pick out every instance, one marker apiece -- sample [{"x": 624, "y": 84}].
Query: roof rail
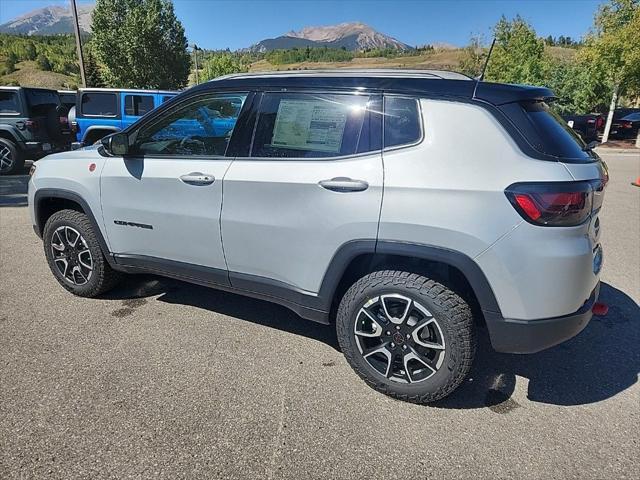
[{"x": 351, "y": 72}]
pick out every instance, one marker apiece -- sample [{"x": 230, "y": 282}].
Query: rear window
[
  {"x": 547, "y": 132},
  {"x": 138, "y": 105},
  {"x": 37, "y": 98},
  {"x": 9, "y": 103},
  {"x": 99, "y": 103},
  {"x": 311, "y": 125},
  {"x": 401, "y": 121}
]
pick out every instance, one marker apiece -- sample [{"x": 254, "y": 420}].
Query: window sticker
[{"x": 309, "y": 125}]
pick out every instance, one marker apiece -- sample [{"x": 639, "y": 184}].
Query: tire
[
  {"x": 432, "y": 347},
  {"x": 11, "y": 158},
  {"x": 79, "y": 280}
]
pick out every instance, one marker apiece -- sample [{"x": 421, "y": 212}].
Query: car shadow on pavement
[
  {"x": 602, "y": 361},
  {"x": 599, "y": 363},
  {"x": 225, "y": 303}
]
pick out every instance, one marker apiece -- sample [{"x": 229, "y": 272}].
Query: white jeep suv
[{"x": 391, "y": 203}]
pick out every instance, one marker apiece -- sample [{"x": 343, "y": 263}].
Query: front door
[
  {"x": 162, "y": 204},
  {"x": 312, "y": 182}
]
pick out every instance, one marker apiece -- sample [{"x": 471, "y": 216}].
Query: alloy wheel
[
  {"x": 71, "y": 255},
  {"x": 6, "y": 158},
  {"x": 399, "y": 338}
]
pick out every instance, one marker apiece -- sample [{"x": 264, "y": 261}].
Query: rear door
[
  {"x": 161, "y": 206},
  {"x": 311, "y": 182},
  {"x": 134, "y": 106}
]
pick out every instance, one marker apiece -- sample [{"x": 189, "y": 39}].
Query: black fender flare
[
  {"x": 465, "y": 264},
  {"x": 10, "y": 132},
  {"x": 42, "y": 194},
  {"x": 94, "y": 128}
]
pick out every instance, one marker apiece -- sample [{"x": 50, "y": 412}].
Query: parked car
[
  {"x": 587, "y": 126},
  {"x": 353, "y": 198},
  {"x": 627, "y": 126},
  {"x": 68, "y": 98},
  {"x": 30, "y": 126},
  {"x": 101, "y": 111}
]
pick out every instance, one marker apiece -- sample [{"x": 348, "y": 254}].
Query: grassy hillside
[
  {"x": 28, "y": 74},
  {"x": 438, "y": 59}
]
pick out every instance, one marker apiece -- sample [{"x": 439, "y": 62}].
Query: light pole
[
  {"x": 76, "y": 27},
  {"x": 195, "y": 55}
]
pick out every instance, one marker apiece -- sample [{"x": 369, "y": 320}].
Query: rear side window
[
  {"x": 547, "y": 132},
  {"x": 137, "y": 105},
  {"x": 9, "y": 103},
  {"x": 402, "y": 124},
  {"x": 301, "y": 125},
  {"x": 39, "y": 98},
  {"x": 98, "y": 103}
]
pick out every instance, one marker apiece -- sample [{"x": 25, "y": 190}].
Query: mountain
[
  {"x": 351, "y": 36},
  {"x": 52, "y": 20}
]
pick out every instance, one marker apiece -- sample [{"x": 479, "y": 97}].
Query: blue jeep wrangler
[{"x": 102, "y": 111}]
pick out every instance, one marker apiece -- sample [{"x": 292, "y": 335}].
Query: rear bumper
[
  {"x": 530, "y": 336},
  {"x": 36, "y": 150}
]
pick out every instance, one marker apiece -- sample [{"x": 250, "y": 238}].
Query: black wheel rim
[
  {"x": 399, "y": 338},
  {"x": 71, "y": 255}
]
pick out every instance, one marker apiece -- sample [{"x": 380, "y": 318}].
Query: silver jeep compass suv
[{"x": 391, "y": 203}]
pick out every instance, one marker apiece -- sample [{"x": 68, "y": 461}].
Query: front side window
[
  {"x": 202, "y": 126},
  {"x": 99, "y": 103},
  {"x": 9, "y": 102},
  {"x": 306, "y": 125},
  {"x": 401, "y": 121},
  {"x": 137, "y": 105}
]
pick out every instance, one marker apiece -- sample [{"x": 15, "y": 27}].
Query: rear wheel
[
  {"x": 11, "y": 158},
  {"x": 407, "y": 336},
  {"x": 74, "y": 255}
]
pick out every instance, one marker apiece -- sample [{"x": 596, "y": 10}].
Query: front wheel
[
  {"x": 11, "y": 158},
  {"x": 407, "y": 336},
  {"x": 74, "y": 255}
]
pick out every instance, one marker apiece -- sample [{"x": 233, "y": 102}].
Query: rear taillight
[
  {"x": 599, "y": 122},
  {"x": 626, "y": 124},
  {"x": 556, "y": 204},
  {"x": 32, "y": 125}
]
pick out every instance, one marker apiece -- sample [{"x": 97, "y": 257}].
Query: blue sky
[{"x": 240, "y": 23}]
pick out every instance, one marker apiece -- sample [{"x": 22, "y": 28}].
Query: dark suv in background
[{"x": 30, "y": 126}]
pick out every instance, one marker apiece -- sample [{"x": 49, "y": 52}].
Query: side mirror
[{"x": 116, "y": 143}]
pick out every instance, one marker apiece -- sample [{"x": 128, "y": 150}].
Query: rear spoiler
[{"x": 501, "y": 93}]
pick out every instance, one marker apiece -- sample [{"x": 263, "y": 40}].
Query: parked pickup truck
[
  {"x": 587, "y": 126},
  {"x": 102, "y": 111}
]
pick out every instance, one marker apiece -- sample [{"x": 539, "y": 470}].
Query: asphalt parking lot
[{"x": 166, "y": 379}]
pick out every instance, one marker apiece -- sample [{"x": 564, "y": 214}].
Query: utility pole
[
  {"x": 195, "y": 54},
  {"x": 78, "y": 41}
]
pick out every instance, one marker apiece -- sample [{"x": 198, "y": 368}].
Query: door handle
[
  {"x": 344, "y": 185},
  {"x": 197, "y": 178}
]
